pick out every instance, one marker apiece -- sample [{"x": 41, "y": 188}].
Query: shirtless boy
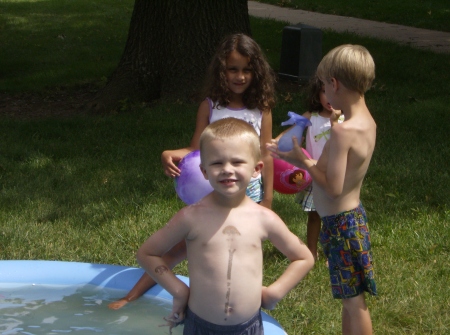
[
  {"x": 224, "y": 234},
  {"x": 347, "y": 72}
]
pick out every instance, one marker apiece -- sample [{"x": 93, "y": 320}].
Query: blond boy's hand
[
  {"x": 296, "y": 156},
  {"x": 335, "y": 115},
  {"x": 268, "y": 298}
]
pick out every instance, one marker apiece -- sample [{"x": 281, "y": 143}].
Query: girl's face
[
  {"x": 238, "y": 72},
  {"x": 323, "y": 99}
]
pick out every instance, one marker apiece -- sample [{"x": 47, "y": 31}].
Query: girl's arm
[
  {"x": 267, "y": 171},
  {"x": 170, "y": 158}
]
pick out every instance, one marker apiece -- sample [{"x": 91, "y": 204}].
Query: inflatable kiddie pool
[{"x": 27, "y": 272}]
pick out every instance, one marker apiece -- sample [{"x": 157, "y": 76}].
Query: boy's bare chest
[{"x": 225, "y": 231}]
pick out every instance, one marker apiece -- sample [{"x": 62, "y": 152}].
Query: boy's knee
[{"x": 358, "y": 302}]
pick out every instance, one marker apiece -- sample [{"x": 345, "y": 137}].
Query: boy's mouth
[{"x": 227, "y": 181}]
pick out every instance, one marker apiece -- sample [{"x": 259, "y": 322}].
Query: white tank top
[
  {"x": 251, "y": 116},
  {"x": 318, "y": 134}
]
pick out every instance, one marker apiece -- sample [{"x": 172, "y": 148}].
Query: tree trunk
[{"x": 170, "y": 44}]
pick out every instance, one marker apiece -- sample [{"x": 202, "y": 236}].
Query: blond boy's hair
[
  {"x": 350, "y": 64},
  {"x": 232, "y": 128}
]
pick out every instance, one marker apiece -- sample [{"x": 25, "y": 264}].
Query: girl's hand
[
  {"x": 169, "y": 166},
  {"x": 296, "y": 156}
]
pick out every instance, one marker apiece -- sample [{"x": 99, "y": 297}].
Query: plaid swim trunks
[
  {"x": 345, "y": 239},
  {"x": 255, "y": 190},
  {"x": 305, "y": 199}
]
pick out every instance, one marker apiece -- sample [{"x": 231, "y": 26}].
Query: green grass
[
  {"x": 91, "y": 189},
  {"x": 42, "y": 37},
  {"x": 430, "y": 14}
]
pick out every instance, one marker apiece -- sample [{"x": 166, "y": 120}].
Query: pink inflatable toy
[{"x": 289, "y": 179}]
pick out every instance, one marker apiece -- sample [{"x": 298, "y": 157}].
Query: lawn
[
  {"x": 91, "y": 188},
  {"x": 434, "y": 15}
]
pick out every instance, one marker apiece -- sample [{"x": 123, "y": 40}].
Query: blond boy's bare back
[{"x": 350, "y": 149}]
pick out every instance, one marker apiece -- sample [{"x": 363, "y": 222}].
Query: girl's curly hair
[
  {"x": 261, "y": 92},
  {"x": 313, "y": 97}
]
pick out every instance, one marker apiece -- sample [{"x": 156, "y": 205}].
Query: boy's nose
[{"x": 226, "y": 169}]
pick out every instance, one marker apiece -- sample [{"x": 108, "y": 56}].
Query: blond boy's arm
[
  {"x": 300, "y": 257},
  {"x": 149, "y": 256}
]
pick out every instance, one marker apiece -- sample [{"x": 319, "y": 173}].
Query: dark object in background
[{"x": 301, "y": 52}]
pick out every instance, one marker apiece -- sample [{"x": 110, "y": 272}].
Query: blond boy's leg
[{"x": 356, "y": 317}]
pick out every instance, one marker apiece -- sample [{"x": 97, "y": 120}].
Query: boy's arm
[
  {"x": 332, "y": 179},
  {"x": 149, "y": 256},
  {"x": 173, "y": 257},
  {"x": 296, "y": 251}
]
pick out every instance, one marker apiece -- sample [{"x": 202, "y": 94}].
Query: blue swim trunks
[
  {"x": 193, "y": 324},
  {"x": 345, "y": 239}
]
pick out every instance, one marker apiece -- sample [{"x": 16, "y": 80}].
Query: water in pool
[{"x": 55, "y": 310}]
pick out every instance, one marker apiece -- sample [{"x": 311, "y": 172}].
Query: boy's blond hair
[
  {"x": 350, "y": 64},
  {"x": 232, "y": 128}
]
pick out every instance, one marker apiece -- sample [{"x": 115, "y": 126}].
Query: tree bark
[{"x": 170, "y": 44}]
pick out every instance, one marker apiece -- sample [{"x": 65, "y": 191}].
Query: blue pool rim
[{"x": 102, "y": 275}]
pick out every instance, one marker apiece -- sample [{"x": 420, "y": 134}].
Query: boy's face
[{"x": 229, "y": 165}]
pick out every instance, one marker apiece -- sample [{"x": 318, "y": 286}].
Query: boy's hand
[
  {"x": 268, "y": 299},
  {"x": 178, "y": 310},
  {"x": 173, "y": 321},
  {"x": 296, "y": 156},
  {"x": 335, "y": 115}
]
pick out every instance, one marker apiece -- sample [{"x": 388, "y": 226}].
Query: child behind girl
[
  {"x": 316, "y": 136},
  {"x": 239, "y": 84}
]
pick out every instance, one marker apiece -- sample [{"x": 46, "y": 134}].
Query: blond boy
[
  {"x": 224, "y": 234},
  {"x": 347, "y": 72}
]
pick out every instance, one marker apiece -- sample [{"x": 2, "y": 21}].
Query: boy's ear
[
  {"x": 258, "y": 169},
  {"x": 203, "y": 171},
  {"x": 335, "y": 84}
]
